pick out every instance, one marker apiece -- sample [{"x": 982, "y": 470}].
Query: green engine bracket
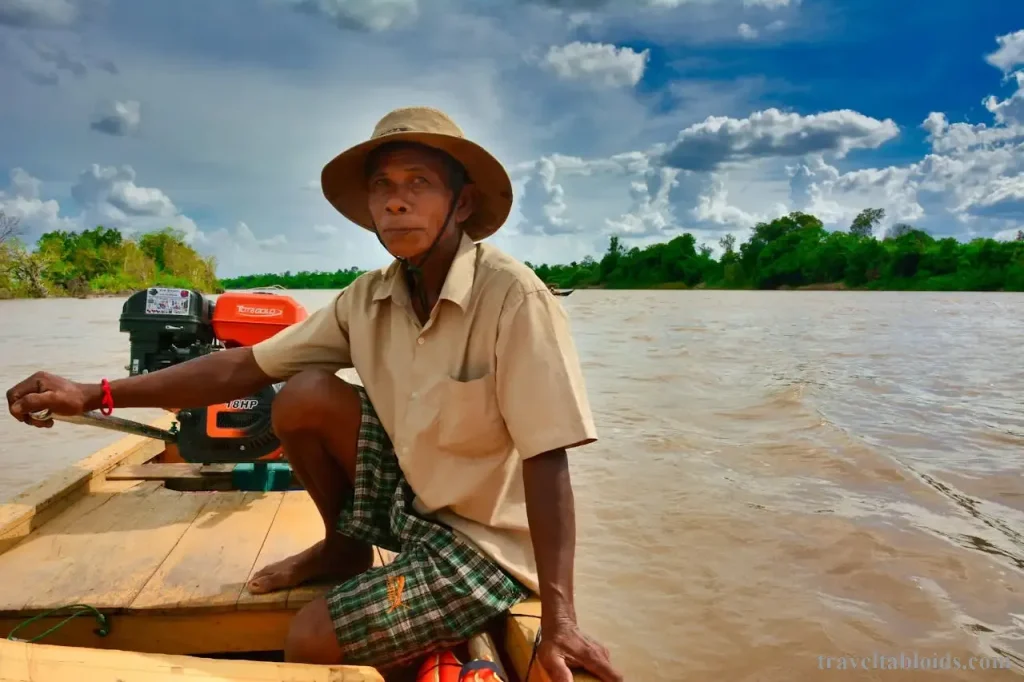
[{"x": 262, "y": 476}]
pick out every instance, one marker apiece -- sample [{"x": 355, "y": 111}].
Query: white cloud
[
  {"x": 721, "y": 140},
  {"x": 770, "y": 4},
  {"x": 747, "y": 32},
  {"x": 946, "y": 137},
  {"x": 651, "y": 212},
  {"x": 1010, "y": 52},
  {"x": 114, "y": 190},
  {"x": 118, "y": 118},
  {"x": 1009, "y": 111},
  {"x": 544, "y": 206},
  {"x": 714, "y": 207},
  {"x": 22, "y": 200},
  {"x": 600, "y": 64}
]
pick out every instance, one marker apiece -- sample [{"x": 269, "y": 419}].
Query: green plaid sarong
[{"x": 439, "y": 591}]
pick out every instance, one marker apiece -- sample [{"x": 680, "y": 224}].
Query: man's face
[{"x": 409, "y": 199}]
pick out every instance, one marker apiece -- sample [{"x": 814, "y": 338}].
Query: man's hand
[
  {"x": 43, "y": 391},
  {"x": 564, "y": 647}
]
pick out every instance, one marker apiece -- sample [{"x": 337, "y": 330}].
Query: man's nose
[{"x": 396, "y": 205}]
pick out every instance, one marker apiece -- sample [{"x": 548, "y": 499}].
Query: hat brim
[{"x": 343, "y": 181}]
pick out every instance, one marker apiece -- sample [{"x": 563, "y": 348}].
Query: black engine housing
[{"x": 166, "y": 327}]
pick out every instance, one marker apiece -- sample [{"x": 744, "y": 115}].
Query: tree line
[
  {"x": 98, "y": 261},
  {"x": 792, "y": 251}
]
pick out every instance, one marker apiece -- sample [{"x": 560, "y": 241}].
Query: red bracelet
[{"x": 107, "y": 404}]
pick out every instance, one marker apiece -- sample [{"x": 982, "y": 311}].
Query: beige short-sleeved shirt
[{"x": 493, "y": 378}]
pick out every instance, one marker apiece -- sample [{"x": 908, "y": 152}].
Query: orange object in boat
[{"x": 440, "y": 667}]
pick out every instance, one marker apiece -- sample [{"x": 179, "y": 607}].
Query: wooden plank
[
  {"x": 159, "y": 633},
  {"x": 96, "y": 492},
  {"x": 23, "y": 662},
  {"x": 166, "y": 471},
  {"x": 104, "y": 557},
  {"x": 523, "y": 623},
  {"x": 21, "y": 566},
  {"x": 210, "y": 564},
  {"x": 60, "y": 490},
  {"x": 154, "y": 472},
  {"x": 296, "y": 527}
]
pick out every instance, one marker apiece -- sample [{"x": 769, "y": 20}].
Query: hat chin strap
[{"x": 413, "y": 271}]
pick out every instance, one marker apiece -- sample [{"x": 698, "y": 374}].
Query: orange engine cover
[{"x": 246, "y": 318}]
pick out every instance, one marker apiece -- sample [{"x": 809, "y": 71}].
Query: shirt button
[
  {"x": 420, "y": 340},
  {"x": 413, "y": 395}
]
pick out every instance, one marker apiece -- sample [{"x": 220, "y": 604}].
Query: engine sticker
[{"x": 162, "y": 301}]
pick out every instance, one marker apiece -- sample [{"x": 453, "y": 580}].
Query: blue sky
[{"x": 641, "y": 118}]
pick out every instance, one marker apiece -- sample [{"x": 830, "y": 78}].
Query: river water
[{"x": 788, "y": 486}]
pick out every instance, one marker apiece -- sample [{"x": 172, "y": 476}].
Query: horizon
[{"x": 646, "y": 123}]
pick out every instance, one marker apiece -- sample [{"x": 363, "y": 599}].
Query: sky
[{"x": 638, "y": 118}]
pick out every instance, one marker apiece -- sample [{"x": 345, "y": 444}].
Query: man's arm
[
  {"x": 319, "y": 341},
  {"x": 551, "y": 513},
  {"x": 543, "y": 400},
  {"x": 214, "y": 378},
  {"x": 209, "y": 379}
]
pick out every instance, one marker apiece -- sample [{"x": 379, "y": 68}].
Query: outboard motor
[{"x": 168, "y": 326}]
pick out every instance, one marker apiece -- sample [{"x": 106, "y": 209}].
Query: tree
[
  {"x": 10, "y": 227},
  {"x": 900, "y": 229},
  {"x": 611, "y": 257},
  {"x": 728, "y": 243},
  {"x": 863, "y": 225}
]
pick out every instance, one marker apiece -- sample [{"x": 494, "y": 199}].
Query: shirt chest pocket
[{"x": 469, "y": 421}]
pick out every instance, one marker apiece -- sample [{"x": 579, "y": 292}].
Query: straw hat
[{"x": 344, "y": 178}]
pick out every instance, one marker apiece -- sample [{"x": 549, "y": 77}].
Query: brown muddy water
[{"x": 788, "y": 486}]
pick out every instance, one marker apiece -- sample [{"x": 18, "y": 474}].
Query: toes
[{"x": 269, "y": 582}]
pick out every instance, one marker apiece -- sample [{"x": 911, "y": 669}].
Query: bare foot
[{"x": 312, "y": 564}]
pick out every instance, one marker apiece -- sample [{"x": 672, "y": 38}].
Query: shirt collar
[{"x": 458, "y": 284}]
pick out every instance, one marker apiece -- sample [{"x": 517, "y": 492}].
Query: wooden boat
[
  {"x": 559, "y": 292},
  {"x": 162, "y": 549}
]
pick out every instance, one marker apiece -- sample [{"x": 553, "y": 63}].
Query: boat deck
[
  {"x": 138, "y": 549},
  {"x": 166, "y": 566}
]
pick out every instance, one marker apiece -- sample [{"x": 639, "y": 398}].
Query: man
[{"x": 452, "y": 453}]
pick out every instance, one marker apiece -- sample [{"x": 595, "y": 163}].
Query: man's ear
[{"x": 467, "y": 203}]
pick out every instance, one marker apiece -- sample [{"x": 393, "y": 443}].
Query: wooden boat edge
[
  {"x": 25, "y": 662},
  {"x": 38, "y": 504}
]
